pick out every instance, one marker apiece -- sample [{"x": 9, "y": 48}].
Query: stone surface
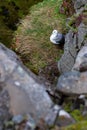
[
  {"x": 67, "y": 60},
  {"x": 4, "y": 107},
  {"x": 26, "y": 93},
  {"x": 81, "y": 60},
  {"x": 73, "y": 43},
  {"x": 51, "y": 117},
  {"x": 30, "y": 124},
  {"x": 64, "y": 119},
  {"x": 79, "y": 3},
  {"x": 82, "y": 33},
  {"x": 73, "y": 83},
  {"x": 18, "y": 119}
]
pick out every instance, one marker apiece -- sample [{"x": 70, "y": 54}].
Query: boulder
[
  {"x": 73, "y": 83},
  {"x": 67, "y": 83},
  {"x": 25, "y": 93}
]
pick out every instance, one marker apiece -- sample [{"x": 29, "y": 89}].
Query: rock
[
  {"x": 64, "y": 119},
  {"x": 30, "y": 124},
  {"x": 82, "y": 33},
  {"x": 73, "y": 83},
  {"x": 18, "y": 119},
  {"x": 83, "y": 67},
  {"x": 79, "y": 3},
  {"x": 73, "y": 43},
  {"x": 67, "y": 82},
  {"x": 84, "y": 112},
  {"x": 26, "y": 94},
  {"x": 81, "y": 60},
  {"x": 51, "y": 117},
  {"x": 67, "y": 60},
  {"x": 5, "y": 115}
]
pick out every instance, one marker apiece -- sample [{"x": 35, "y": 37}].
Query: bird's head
[{"x": 54, "y": 32}]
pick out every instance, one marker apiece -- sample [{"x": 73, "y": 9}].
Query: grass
[
  {"x": 77, "y": 126},
  {"x": 32, "y": 37}
]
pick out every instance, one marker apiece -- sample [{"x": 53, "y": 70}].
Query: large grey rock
[
  {"x": 67, "y": 83},
  {"x": 73, "y": 83},
  {"x": 26, "y": 93}
]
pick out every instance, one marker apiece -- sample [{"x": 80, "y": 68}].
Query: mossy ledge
[{"x": 32, "y": 36}]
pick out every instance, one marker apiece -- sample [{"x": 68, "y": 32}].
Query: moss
[
  {"x": 76, "y": 114},
  {"x": 9, "y": 124},
  {"x": 77, "y": 126},
  {"x": 85, "y": 37},
  {"x": 85, "y": 17}
]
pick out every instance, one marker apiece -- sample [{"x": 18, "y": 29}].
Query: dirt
[{"x": 50, "y": 73}]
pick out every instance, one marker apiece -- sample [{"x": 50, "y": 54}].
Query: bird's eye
[{"x": 54, "y": 32}]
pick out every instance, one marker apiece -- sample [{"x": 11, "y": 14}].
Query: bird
[{"x": 57, "y": 38}]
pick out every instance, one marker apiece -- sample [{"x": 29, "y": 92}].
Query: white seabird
[{"x": 57, "y": 37}]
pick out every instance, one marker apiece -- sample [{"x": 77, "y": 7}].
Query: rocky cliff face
[
  {"x": 76, "y": 37},
  {"x": 24, "y": 93},
  {"x": 24, "y": 101},
  {"x": 73, "y": 63},
  {"x": 23, "y": 98}
]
